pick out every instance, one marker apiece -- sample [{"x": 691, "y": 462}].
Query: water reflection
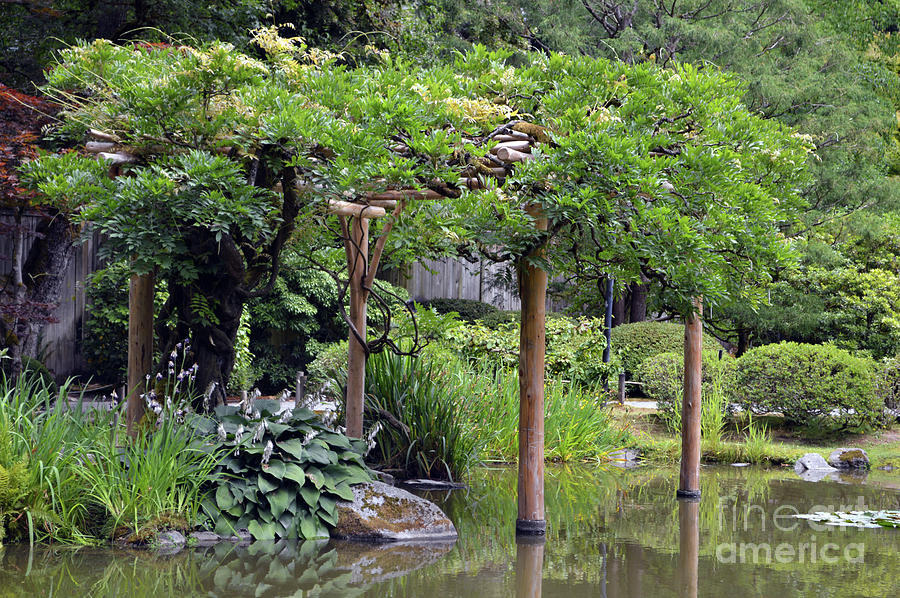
[
  {"x": 529, "y": 566},
  {"x": 689, "y": 546},
  {"x": 610, "y": 535}
]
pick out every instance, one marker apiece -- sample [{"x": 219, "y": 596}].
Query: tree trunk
[
  {"x": 45, "y": 271},
  {"x": 618, "y": 316},
  {"x": 743, "y": 341},
  {"x": 638, "y": 301}
]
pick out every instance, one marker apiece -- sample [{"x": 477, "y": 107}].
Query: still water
[{"x": 611, "y": 534}]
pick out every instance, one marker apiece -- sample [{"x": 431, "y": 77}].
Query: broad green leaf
[
  {"x": 261, "y": 531},
  {"x": 279, "y": 501}
]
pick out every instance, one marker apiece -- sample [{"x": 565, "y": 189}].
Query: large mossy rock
[
  {"x": 384, "y": 513},
  {"x": 849, "y": 458}
]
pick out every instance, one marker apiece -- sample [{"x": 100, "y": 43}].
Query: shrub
[
  {"x": 810, "y": 385},
  {"x": 105, "y": 341},
  {"x": 574, "y": 348},
  {"x": 468, "y": 310},
  {"x": 887, "y": 383},
  {"x": 283, "y": 474},
  {"x": 637, "y": 341},
  {"x": 663, "y": 379},
  {"x": 498, "y": 318},
  {"x": 33, "y": 370}
]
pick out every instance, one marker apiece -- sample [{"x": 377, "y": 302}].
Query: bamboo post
[
  {"x": 140, "y": 346},
  {"x": 356, "y": 358},
  {"x": 529, "y": 566},
  {"x": 689, "y": 483},
  {"x": 688, "y": 546},
  {"x": 532, "y": 346}
]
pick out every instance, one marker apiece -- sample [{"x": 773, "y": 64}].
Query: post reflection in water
[
  {"x": 529, "y": 566},
  {"x": 688, "y": 546}
]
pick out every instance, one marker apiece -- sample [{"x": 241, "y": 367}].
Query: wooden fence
[
  {"x": 59, "y": 345},
  {"x": 457, "y": 279}
]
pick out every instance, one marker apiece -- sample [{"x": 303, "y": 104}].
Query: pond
[{"x": 611, "y": 533}]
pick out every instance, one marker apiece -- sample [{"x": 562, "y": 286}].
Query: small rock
[
  {"x": 171, "y": 538},
  {"x": 241, "y": 536},
  {"x": 205, "y": 538},
  {"x": 812, "y": 462},
  {"x": 625, "y": 457},
  {"x": 740, "y": 464},
  {"x": 817, "y": 475},
  {"x": 849, "y": 458},
  {"x": 385, "y": 477},
  {"x": 384, "y": 513},
  {"x": 421, "y": 484},
  {"x": 887, "y": 467}
]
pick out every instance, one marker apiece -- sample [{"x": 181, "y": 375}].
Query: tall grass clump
[
  {"x": 576, "y": 426},
  {"x": 418, "y": 423},
  {"x": 41, "y": 496},
  {"x": 69, "y": 473},
  {"x": 154, "y": 482}
]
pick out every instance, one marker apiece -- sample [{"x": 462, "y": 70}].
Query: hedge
[
  {"x": 637, "y": 341},
  {"x": 810, "y": 385}
]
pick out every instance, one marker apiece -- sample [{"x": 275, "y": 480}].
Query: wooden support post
[
  {"x": 621, "y": 395},
  {"x": 140, "y": 346},
  {"x": 689, "y": 483},
  {"x": 688, "y": 546},
  {"x": 532, "y": 346},
  {"x": 356, "y": 361},
  {"x": 529, "y": 566}
]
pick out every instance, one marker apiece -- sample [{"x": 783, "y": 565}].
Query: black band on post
[
  {"x": 531, "y": 527},
  {"x": 687, "y": 494}
]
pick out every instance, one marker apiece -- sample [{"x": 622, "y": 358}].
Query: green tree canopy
[{"x": 639, "y": 169}]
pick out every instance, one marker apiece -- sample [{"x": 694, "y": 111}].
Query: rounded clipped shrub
[
  {"x": 887, "y": 383},
  {"x": 637, "y": 341},
  {"x": 663, "y": 379},
  {"x": 810, "y": 385},
  {"x": 468, "y": 310}
]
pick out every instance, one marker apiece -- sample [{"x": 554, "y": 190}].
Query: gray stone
[
  {"x": 171, "y": 537},
  {"x": 384, "y": 513},
  {"x": 205, "y": 538},
  {"x": 241, "y": 536},
  {"x": 626, "y": 458},
  {"x": 812, "y": 462},
  {"x": 849, "y": 458},
  {"x": 740, "y": 465}
]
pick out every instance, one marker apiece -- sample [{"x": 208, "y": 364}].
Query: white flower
[{"x": 267, "y": 452}]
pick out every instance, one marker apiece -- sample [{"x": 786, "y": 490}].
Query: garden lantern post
[{"x": 689, "y": 482}]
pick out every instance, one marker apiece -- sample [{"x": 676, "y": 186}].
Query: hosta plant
[{"x": 284, "y": 472}]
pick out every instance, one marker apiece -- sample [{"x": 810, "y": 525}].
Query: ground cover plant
[{"x": 283, "y": 471}]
